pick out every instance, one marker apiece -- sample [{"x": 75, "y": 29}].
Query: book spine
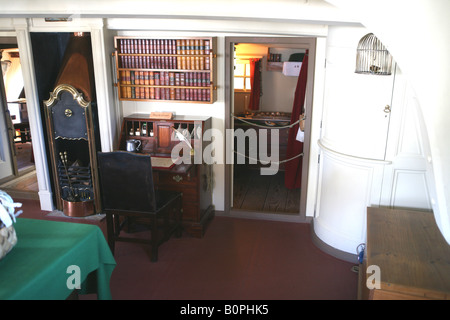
[
  {"x": 196, "y": 47},
  {"x": 166, "y": 78},
  {"x": 134, "y": 90},
  {"x": 123, "y": 80},
  {"x": 147, "y": 82},
  {"x": 202, "y": 46},
  {"x": 128, "y": 81},
  {"x": 207, "y": 47},
  {"x": 182, "y": 79},
  {"x": 142, "y": 82},
  {"x": 152, "y": 82}
]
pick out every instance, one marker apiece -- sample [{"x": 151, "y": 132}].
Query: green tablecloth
[{"x": 38, "y": 266}]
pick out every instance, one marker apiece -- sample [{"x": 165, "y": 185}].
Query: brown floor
[
  {"x": 237, "y": 259},
  {"x": 24, "y": 155},
  {"x": 25, "y": 185},
  {"x": 263, "y": 193}
]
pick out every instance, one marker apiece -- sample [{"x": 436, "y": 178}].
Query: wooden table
[
  {"x": 411, "y": 253},
  {"x": 41, "y": 263}
]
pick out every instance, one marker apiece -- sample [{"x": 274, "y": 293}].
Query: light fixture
[{"x": 372, "y": 57}]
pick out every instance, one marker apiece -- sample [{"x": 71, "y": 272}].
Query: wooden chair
[{"x": 127, "y": 192}]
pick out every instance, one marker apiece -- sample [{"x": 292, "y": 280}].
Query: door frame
[
  {"x": 308, "y": 43},
  {"x": 6, "y": 124}
]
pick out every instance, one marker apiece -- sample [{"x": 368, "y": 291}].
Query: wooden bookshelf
[{"x": 166, "y": 70}]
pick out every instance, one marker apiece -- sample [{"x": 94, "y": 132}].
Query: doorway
[
  {"x": 21, "y": 180},
  {"x": 248, "y": 193}
]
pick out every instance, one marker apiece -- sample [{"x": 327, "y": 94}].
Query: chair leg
[
  {"x": 110, "y": 231},
  {"x": 177, "y": 217},
  {"x": 154, "y": 239}
]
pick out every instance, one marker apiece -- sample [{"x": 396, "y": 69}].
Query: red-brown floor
[{"x": 237, "y": 259}]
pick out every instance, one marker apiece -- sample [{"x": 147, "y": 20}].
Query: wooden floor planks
[{"x": 264, "y": 193}]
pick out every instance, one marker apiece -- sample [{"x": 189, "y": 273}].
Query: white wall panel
[
  {"x": 354, "y": 120},
  {"x": 347, "y": 187},
  {"x": 406, "y": 182},
  {"x": 410, "y": 190}
]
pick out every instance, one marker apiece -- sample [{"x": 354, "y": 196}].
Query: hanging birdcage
[{"x": 372, "y": 57}]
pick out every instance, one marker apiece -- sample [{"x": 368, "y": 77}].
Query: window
[{"x": 242, "y": 75}]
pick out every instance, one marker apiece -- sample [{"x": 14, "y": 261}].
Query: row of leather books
[
  {"x": 165, "y": 62},
  {"x": 166, "y": 78},
  {"x": 190, "y": 54},
  {"x": 166, "y": 94},
  {"x": 164, "y": 46},
  {"x": 140, "y": 81}
]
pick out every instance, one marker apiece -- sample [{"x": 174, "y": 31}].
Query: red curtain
[
  {"x": 293, "y": 173},
  {"x": 255, "y": 80}
]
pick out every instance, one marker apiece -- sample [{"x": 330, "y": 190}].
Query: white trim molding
[{"x": 34, "y": 115}]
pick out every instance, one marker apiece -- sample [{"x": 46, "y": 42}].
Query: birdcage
[{"x": 372, "y": 57}]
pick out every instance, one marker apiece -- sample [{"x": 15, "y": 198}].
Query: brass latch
[{"x": 177, "y": 178}]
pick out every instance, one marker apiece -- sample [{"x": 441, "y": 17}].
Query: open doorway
[
  {"x": 22, "y": 177},
  {"x": 262, "y": 109}
]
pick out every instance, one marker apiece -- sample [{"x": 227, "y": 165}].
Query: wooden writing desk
[
  {"x": 193, "y": 180},
  {"x": 412, "y": 254}
]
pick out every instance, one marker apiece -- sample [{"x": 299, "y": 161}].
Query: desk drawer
[
  {"x": 173, "y": 178},
  {"x": 189, "y": 193}
]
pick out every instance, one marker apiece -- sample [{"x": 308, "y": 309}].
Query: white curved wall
[
  {"x": 368, "y": 157},
  {"x": 353, "y": 143},
  {"x": 415, "y": 32}
]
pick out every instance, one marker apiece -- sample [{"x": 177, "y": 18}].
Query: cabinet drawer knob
[{"x": 177, "y": 178}]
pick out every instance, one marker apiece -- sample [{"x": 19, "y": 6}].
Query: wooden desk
[
  {"x": 37, "y": 267},
  {"x": 193, "y": 180},
  {"x": 412, "y": 254}
]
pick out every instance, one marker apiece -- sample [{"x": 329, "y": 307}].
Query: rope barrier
[
  {"x": 279, "y": 162},
  {"x": 270, "y": 127},
  {"x": 262, "y": 126}
]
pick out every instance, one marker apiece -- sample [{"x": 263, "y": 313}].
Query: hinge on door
[{"x": 318, "y": 158}]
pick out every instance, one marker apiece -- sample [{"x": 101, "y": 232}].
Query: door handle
[{"x": 387, "y": 109}]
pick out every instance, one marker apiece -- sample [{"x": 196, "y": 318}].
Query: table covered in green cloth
[{"x": 51, "y": 257}]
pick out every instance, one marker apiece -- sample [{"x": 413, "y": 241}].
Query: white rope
[
  {"x": 279, "y": 162},
  {"x": 262, "y": 126}
]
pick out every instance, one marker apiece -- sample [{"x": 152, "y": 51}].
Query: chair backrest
[{"x": 126, "y": 181}]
